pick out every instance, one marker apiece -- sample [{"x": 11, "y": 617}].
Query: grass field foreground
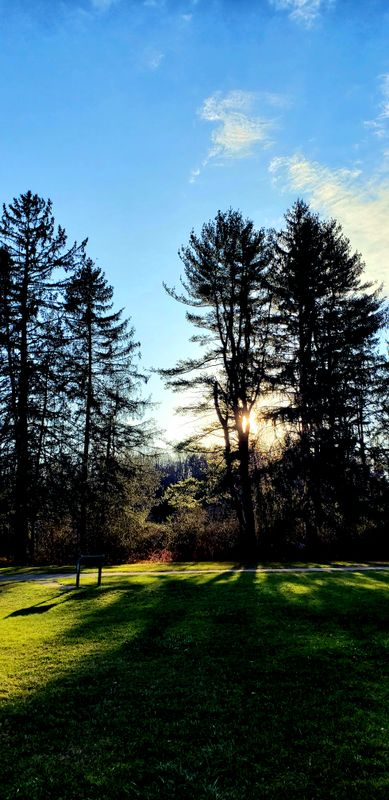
[{"x": 227, "y": 686}]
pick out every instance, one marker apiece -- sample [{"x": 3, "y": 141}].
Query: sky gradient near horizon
[{"x": 141, "y": 118}]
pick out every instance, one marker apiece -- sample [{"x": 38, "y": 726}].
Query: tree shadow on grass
[
  {"x": 43, "y": 606},
  {"x": 207, "y": 687},
  {"x": 38, "y": 608}
]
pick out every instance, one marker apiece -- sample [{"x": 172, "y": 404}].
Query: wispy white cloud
[
  {"x": 379, "y": 125},
  {"x": 360, "y": 204},
  {"x": 303, "y": 11},
  {"x": 236, "y": 132}
]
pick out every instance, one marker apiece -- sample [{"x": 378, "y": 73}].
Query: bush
[
  {"x": 55, "y": 542},
  {"x": 199, "y": 535}
]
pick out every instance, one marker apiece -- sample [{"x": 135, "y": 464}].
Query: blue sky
[{"x": 141, "y": 119}]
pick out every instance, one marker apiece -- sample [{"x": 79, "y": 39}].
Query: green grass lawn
[
  {"x": 192, "y": 687},
  {"x": 181, "y": 566}
]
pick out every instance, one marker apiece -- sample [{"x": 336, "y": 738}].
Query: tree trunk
[
  {"x": 21, "y": 435},
  {"x": 82, "y": 531},
  {"x": 248, "y": 532}
]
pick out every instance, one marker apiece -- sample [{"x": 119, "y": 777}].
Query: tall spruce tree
[
  {"x": 225, "y": 270},
  {"x": 327, "y": 324},
  {"x": 103, "y": 381},
  {"x": 33, "y": 255}
]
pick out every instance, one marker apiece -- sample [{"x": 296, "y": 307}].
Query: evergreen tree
[
  {"x": 33, "y": 254},
  {"x": 327, "y": 325},
  {"x": 225, "y": 269},
  {"x": 103, "y": 380}
]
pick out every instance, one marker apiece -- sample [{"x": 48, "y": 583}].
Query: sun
[{"x": 249, "y": 423}]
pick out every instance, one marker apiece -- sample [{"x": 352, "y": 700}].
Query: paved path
[{"x": 56, "y": 576}]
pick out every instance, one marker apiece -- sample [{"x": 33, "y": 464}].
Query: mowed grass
[{"x": 228, "y": 686}]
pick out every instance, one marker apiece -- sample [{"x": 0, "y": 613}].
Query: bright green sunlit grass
[
  {"x": 225, "y": 686},
  {"x": 181, "y": 566}
]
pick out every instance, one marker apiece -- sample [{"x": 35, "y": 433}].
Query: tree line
[
  {"x": 288, "y": 330},
  {"x": 287, "y": 333},
  {"x": 69, "y": 383}
]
